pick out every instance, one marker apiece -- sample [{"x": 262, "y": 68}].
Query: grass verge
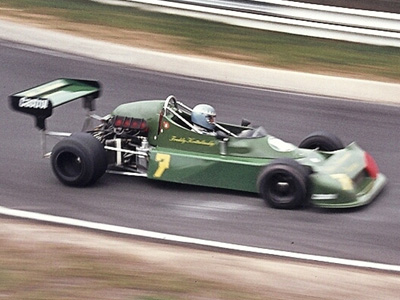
[
  {"x": 46, "y": 262},
  {"x": 198, "y": 37}
]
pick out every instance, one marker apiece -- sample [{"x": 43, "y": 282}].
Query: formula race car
[{"x": 158, "y": 140}]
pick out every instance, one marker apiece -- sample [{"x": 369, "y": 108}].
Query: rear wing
[{"x": 39, "y": 101}]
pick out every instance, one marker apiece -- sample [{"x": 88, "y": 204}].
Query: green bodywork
[{"x": 178, "y": 154}]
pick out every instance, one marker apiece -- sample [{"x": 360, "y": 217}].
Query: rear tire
[
  {"x": 323, "y": 141},
  {"x": 79, "y": 160},
  {"x": 283, "y": 184}
]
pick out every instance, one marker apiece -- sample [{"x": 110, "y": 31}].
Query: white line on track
[{"x": 193, "y": 241}]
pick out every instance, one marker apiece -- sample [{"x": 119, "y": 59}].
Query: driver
[{"x": 203, "y": 118}]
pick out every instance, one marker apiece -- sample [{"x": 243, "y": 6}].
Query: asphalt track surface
[{"x": 27, "y": 183}]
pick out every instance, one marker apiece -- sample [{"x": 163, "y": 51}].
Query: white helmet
[{"x": 204, "y": 116}]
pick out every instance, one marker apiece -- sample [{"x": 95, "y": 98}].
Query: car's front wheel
[
  {"x": 283, "y": 184},
  {"x": 322, "y": 140},
  {"x": 79, "y": 160}
]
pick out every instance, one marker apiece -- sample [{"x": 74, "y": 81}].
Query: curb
[{"x": 299, "y": 82}]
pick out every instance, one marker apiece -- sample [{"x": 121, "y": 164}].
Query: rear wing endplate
[{"x": 39, "y": 101}]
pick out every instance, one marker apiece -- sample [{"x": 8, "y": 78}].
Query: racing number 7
[{"x": 163, "y": 164}]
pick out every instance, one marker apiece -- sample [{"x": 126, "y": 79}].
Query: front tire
[
  {"x": 322, "y": 141},
  {"x": 283, "y": 184},
  {"x": 79, "y": 160}
]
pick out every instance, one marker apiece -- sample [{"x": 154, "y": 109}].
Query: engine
[{"x": 125, "y": 140}]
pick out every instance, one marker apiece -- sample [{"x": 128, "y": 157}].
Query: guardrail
[{"x": 377, "y": 28}]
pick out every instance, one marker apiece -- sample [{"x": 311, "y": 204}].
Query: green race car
[{"x": 157, "y": 139}]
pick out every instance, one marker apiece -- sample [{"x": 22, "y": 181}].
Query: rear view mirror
[{"x": 245, "y": 123}]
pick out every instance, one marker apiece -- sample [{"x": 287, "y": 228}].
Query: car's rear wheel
[
  {"x": 323, "y": 141},
  {"x": 79, "y": 160},
  {"x": 283, "y": 184}
]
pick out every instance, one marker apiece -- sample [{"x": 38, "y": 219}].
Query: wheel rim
[
  {"x": 69, "y": 164},
  {"x": 282, "y": 188}
]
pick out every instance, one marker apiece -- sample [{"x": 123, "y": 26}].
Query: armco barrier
[{"x": 377, "y": 28}]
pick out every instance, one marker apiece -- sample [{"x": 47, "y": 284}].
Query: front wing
[{"x": 348, "y": 178}]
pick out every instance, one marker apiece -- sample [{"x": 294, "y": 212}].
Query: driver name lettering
[
  {"x": 37, "y": 103},
  {"x": 190, "y": 140}
]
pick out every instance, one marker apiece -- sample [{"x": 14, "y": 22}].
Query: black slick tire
[
  {"x": 322, "y": 141},
  {"x": 79, "y": 160},
  {"x": 283, "y": 184}
]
